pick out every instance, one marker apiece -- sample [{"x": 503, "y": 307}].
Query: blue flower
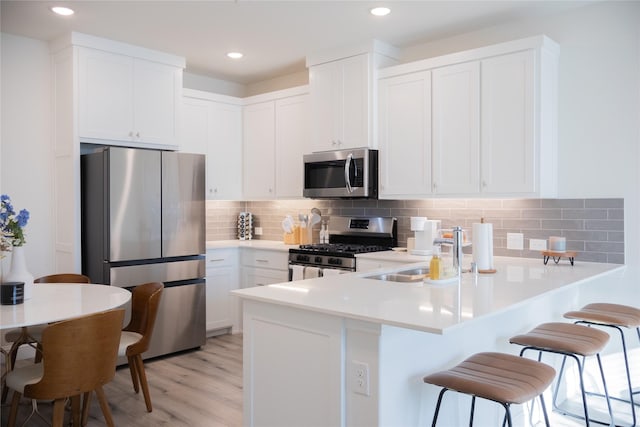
[{"x": 11, "y": 225}]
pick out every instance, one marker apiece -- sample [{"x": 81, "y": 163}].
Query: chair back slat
[
  {"x": 145, "y": 300},
  {"x": 63, "y": 278},
  {"x": 78, "y": 355}
]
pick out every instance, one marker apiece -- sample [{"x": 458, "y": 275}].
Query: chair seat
[
  {"x": 21, "y": 377},
  {"x": 496, "y": 376},
  {"x": 564, "y": 337},
  {"x": 126, "y": 339},
  {"x": 607, "y": 314}
]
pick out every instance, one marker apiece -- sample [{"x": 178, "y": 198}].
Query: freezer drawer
[
  {"x": 133, "y": 275},
  {"x": 181, "y": 321}
]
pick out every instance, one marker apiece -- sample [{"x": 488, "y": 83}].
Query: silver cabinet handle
[
  {"x": 262, "y": 260},
  {"x": 216, "y": 260}
]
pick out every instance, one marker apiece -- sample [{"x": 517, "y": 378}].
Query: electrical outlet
[
  {"x": 537, "y": 244},
  {"x": 258, "y": 231},
  {"x": 360, "y": 376},
  {"x": 515, "y": 241}
]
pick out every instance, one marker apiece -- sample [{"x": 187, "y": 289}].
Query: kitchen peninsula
[{"x": 350, "y": 350}]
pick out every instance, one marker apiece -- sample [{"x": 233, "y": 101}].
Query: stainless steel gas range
[{"x": 348, "y": 236}]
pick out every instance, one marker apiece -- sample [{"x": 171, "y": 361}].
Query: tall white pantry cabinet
[
  {"x": 105, "y": 92},
  {"x": 473, "y": 123}
]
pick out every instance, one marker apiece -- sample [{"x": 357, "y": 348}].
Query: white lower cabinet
[
  {"x": 260, "y": 267},
  {"x": 222, "y": 278}
]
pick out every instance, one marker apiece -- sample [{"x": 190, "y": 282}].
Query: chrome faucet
[{"x": 457, "y": 250}]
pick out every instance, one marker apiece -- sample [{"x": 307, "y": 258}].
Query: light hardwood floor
[{"x": 195, "y": 388}]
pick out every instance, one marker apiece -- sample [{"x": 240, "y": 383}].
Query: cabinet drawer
[
  {"x": 222, "y": 257},
  {"x": 265, "y": 259}
]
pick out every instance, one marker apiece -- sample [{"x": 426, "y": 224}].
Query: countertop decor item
[
  {"x": 557, "y": 255},
  {"x": 18, "y": 271},
  {"x": 12, "y": 238}
]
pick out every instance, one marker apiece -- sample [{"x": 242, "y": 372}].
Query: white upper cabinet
[
  {"x": 456, "y": 129},
  {"x": 259, "y": 140},
  {"x": 214, "y": 127},
  {"x": 292, "y": 136},
  {"x": 508, "y": 157},
  {"x": 405, "y": 135},
  {"x": 275, "y": 137},
  {"x": 340, "y": 98},
  {"x": 493, "y": 123},
  {"x": 127, "y": 99},
  {"x": 343, "y": 95}
]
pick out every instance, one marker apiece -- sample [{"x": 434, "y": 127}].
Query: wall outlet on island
[
  {"x": 360, "y": 377},
  {"x": 515, "y": 241},
  {"x": 258, "y": 231}
]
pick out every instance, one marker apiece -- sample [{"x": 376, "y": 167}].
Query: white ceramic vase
[{"x": 18, "y": 271}]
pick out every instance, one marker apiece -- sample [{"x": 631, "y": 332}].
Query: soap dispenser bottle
[{"x": 436, "y": 264}]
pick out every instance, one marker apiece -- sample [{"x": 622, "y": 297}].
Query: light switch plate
[
  {"x": 537, "y": 244},
  {"x": 515, "y": 241}
]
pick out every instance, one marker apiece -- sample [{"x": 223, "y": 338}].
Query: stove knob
[
  {"x": 335, "y": 261},
  {"x": 318, "y": 260}
]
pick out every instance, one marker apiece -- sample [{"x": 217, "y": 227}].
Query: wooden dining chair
[
  {"x": 33, "y": 334},
  {"x": 136, "y": 336},
  {"x": 79, "y": 356}
]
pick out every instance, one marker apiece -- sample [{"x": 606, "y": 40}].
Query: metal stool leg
[
  {"x": 435, "y": 415},
  {"x": 473, "y": 408}
]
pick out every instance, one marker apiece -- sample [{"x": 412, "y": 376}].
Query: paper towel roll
[{"x": 482, "y": 242}]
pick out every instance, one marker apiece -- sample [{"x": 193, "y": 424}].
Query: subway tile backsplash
[{"x": 593, "y": 227}]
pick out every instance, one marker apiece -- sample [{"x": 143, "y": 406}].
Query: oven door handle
[{"x": 347, "y": 167}]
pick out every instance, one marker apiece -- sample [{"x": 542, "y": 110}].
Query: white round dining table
[{"x": 52, "y": 302}]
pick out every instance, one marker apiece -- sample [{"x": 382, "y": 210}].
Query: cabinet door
[
  {"x": 222, "y": 277},
  {"x": 456, "y": 129},
  {"x": 292, "y": 135},
  {"x": 220, "y": 307},
  {"x": 507, "y": 139},
  {"x": 157, "y": 94},
  {"x": 354, "y": 123},
  {"x": 105, "y": 101},
  {"x": 195, "y": 118},
  {"x": 405, "y": 135},
  {"x": 325, "y": 83},
  {"x": 259, "y": 151},
  {"x": 225, "y": 152}
]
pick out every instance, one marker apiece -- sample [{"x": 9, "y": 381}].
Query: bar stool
[
  {"x": 569, "y": 340},
  {"x": 502, "y": 378},
  {"x": 614, "y": 316}
]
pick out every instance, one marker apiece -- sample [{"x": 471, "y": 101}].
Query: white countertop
[
  {"x": 396, "y": 256},
  {"x": 272, "y": 245},
  {"x": 426, "y": 307}
]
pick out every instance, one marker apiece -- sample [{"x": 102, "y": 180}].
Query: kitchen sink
[{"x": 406, "y": 276}]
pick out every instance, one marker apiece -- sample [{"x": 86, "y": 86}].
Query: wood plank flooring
[{"x": 195, "y": 388}]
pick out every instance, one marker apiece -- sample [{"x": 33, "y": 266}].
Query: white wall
[
  {"x": 208, "y": 84},
  {"x": 26, "y": 143}
]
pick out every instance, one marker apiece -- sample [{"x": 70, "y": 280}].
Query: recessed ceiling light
[
  {"x": 64, "y": 11},
  {"x": 380, "y": 11},
  {"x": 235, "y": 55}
]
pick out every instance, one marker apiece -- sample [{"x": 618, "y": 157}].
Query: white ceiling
[{"x": 275, "y": 36}]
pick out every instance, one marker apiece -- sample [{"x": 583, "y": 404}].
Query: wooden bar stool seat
[
  {"x": 614, "y": 316},
  {"x": 499, "y": 377},
  {"x": 569, "y": 340}
]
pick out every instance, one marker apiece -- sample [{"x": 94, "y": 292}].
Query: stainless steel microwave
[{"x": 341, "y": 174}]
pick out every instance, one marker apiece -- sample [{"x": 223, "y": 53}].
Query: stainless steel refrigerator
[{"x": 143, "y": 220}]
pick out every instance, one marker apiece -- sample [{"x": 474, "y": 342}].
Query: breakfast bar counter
[{"x": 352, "y": 350}]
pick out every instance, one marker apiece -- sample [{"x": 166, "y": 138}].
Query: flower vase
[{"x": 18, "y": 271}]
